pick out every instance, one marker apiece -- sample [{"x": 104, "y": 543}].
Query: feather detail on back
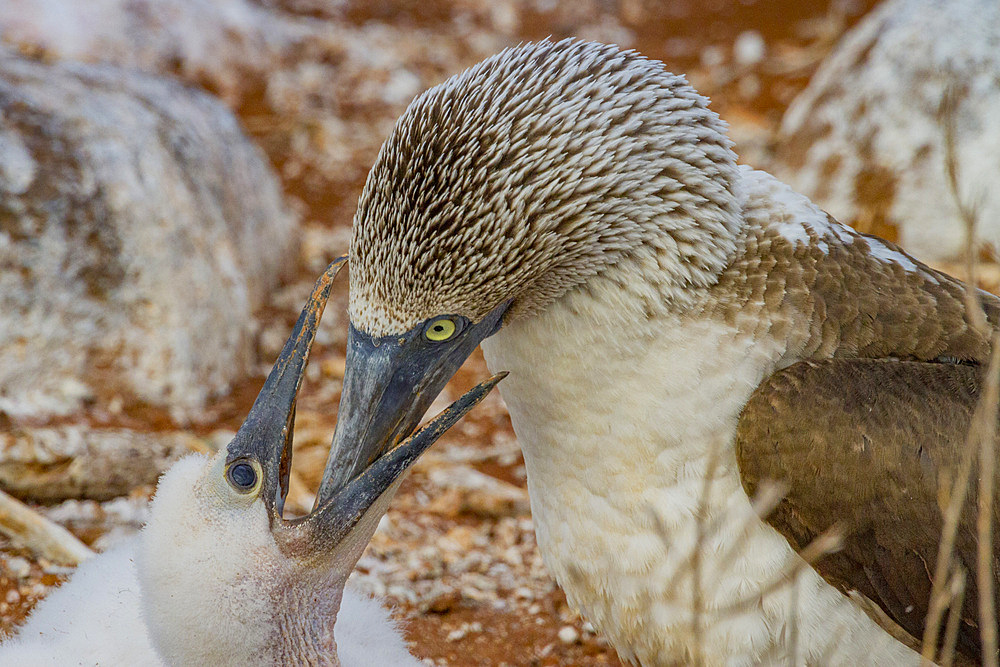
[{"x": 873, "y": 445}]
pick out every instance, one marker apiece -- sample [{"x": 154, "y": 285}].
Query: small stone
[
  {"x": 712, "y": 57},
  {"x": 748, "y": 87},
  {"x": 19, "y": 567},
  {"x": 13, "y": 597},
  {"x": 458, "y": 539},
  {"x": 444, "y": 602},
  {"x": 401, "y": 87},
  {"x": 749, "y": 48},
  {"x": 568, "y": 634},
  {"x": 524, "y": 593},
  {"x": 464, "y": 630},
  {"x": 272, "y": 339},
  {"x": 220, "y": 439}
]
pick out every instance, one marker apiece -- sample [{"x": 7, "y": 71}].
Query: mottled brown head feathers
[{"x": 531, "y": 172}]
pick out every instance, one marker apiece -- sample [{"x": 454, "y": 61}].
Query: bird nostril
[{"x": 242, "y": 476}]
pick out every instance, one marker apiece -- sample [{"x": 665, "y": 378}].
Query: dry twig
[
  {"x": 42, "y": 536},
  {"x": 957, "y": 595},
  {"x": 701, "y": 516},
  {"x": 830, "y": 541}
]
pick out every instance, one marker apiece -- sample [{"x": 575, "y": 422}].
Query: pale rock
[
  {"x": 47, "y": 464},
  {"x": 212, "y": 41},
  {"x": 865, "y": 140},
  {"x": 139, "y": 230},
  {"x": 749, "y": 48},
  {"x": 568, "y": 634}
]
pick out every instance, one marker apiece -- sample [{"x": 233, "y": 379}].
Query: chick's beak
[{"x": 266, "y": 434}]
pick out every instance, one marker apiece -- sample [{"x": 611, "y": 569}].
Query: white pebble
[
  {"x": 568, "y": 634},
  {"x": 749, "y": 48},
  {"x": 19, "y": 567},
  {"x": 712, "y": 57}
]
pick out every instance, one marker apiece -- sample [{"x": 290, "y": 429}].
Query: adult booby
[
  {"x": 217, "y": 576},
  {"x": 579, "y": 211}
]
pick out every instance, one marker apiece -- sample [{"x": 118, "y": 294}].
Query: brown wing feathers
[{"x": 871, "y": 444}]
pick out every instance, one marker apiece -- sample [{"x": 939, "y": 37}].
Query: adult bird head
[
  {"x": 225, "y": 578},
  {"x": 505, "y": 188}
]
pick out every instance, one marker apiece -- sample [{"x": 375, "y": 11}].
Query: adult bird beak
[
  {"x": 346, "y": 521},
  {"x": 388, "y": 385}
]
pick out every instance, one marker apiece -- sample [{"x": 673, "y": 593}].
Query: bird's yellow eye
[{"x": 441, "y": 329}]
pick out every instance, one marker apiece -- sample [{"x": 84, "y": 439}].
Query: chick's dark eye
[{"x": 242, "y": 476}]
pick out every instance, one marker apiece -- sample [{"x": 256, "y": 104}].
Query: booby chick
[
  {"x": 217, "y": 576},
  {"x": 579, "y": 210}
]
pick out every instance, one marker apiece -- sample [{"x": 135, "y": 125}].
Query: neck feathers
[{"x": 627, "y": 433}]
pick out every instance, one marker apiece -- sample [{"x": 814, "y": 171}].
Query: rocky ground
[{"x": 456, "y": 553}]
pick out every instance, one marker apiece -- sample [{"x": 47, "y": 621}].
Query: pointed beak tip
[
  {"x": 336, "y": 516},
  {"x": 266, "y": 433}
]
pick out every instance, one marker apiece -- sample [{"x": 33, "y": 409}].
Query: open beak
[
  {"x": 388, "y": 385},
  {"x": 266, "y": 437},
  {"x": 266, "y": 434},
  {"x": 351, "y": 514}
]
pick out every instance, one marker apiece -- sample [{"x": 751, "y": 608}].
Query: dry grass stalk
[
  {"x": 768, "y": 495},
  {"x": 830, "y": 541},
  {"x": 987, "y": 416},
  {"x": 984, "y": 519},
  {"x": 701, "y": 517},
  {"x": 982, "y": 435},
  {"x": 793, "y": 626},
  {"x": 947, "y": 117},
  {"x": 981, "y": 439},
  {"x": 957, "y": 595}
]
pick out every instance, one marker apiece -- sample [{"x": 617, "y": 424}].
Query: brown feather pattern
[
  {"x": 841, "y": 301},
  {"x": 874, "y": 445},
  {"x": 868, "y": 427}
]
